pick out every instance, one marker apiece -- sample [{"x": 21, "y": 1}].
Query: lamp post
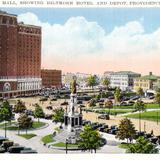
[
  {"x": 157, "y": 117},
  {"x": 66, "y": 146},
  {"x": 144, "y": 126}
]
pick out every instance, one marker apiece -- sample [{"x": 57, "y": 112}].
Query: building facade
[
  {"x": 20, "y": 57},
  {"x": 51, "y": 78},
  {"x": 123, "y": 79},
  {"x": 147, "y": 82}
]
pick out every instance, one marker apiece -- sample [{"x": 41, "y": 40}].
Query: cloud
[{"x": 79, "y": 41}]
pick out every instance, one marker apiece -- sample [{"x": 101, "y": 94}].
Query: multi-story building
[
  {"x": 20, "y": 57},
  {"x": 51, "y": 78},
  {"x": 107, "y": 74},
  {"x": 81, "y": 79},
  {"x": 146, "y": 82},
  {"x": 123, "y": 79}
]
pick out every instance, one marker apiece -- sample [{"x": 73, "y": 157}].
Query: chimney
[{"x": 150, "y": 73}]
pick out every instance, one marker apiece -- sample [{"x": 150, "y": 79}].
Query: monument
[{"x": 73, "y": 114}]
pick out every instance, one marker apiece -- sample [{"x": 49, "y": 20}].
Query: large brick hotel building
[
  {"x": 20, "y": 57},
  {"x": 51, "y": 78}
]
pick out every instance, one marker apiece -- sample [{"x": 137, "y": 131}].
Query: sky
[{"x": 92, "y": 40}]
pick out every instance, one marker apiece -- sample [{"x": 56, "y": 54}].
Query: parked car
[
  {"x": 101, "y": 129},
  {"x": 28, "y": 151},
  {"x": 131, "y": 103},
  {"x": 29, "y": 112},
  {"x": 48, "y": 116},
  {"x": 123, "y": 104},
  {"x": 104, "y": 116},
  {"x": 53, "y": 99},
  {"x": 79, "y": 102},
  {"x": 135, "y": 97},
  {"x": 153, "y": 140},
  {"x": 49, "y": 107},
  {"x": 64, "y": 103},
  {"x": 15, "y": 149},
  {"x": 2, "y": 139}
]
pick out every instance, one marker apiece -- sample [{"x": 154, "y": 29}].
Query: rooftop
[
  {"x": 150, "y": 77},
  {"x": 125, "y": 73},
  {"x": 7, "y": 14}
]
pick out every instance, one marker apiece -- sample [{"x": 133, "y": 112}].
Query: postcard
[{"x": 79, "y": 77}]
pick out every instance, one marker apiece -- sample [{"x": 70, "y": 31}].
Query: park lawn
[
  {"x": 47, "y": 139},
  {"x": 149, "y": 115},
  {"x": 7, "y": 124},
  {"x": 152, "y": 105},
  {"x": 62, "y": 144},
  {"x": 15, "y": 127},
  {"x": 38, "y": 124},
  {"x": 27, "y": 136},
  {"x": 114, "y": 111}
]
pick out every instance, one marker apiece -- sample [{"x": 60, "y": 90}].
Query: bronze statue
[{"x": 73, "y": 87}]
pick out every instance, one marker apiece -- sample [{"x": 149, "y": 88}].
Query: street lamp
[
  {"x": 66, "y": 146},
  {"x": 144, "y": 126}
]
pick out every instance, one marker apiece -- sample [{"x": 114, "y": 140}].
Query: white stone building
[{"x": 123, "y": 79}]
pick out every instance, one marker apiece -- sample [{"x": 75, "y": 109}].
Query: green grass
[
  {"x": 148, "y": 105},
  {"x": 154, "y": 105},
  {"x": 113, "y": 111},
  {"x": 47, "y": 139},
  {"x": 61, "y": 144},
  {"x": 27, "y": 136},
  {"x": 124, "y": 145},
  {"x": 38, "y": 124},
  {"x": 14, "y": 125},
  {"x": 149, "y": 115},
  {"x": 7, "y": 124}
]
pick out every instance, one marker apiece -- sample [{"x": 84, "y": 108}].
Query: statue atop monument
[{"x": 73, "y": 86}]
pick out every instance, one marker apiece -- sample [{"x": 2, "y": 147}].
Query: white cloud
[{"x": 79, "y": 37}]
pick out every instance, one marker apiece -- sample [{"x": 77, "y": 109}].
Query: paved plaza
[{"x": 36, "y": 143}]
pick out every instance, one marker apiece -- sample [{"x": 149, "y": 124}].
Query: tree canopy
[
  {"x": 140, "y": 106},
  {"x": 106, "y": 82},
  {"x": 89, "y": 139},
  {"x": 91, "y": 81},
  {"x": 58, "y": 115},
  {"x": 157, "y": 97},
  {"x": 126, "y": 129},
  {"x": 20, "y": 107},
  {"x": 117, "y": 95},
  {"x": 140, "y": 91},
  {"x": 5, "y": 111},
  {"x": 142, "y": 145},
  {"x": 24, "y": 121},
  {"x": 38, "y": 112}
]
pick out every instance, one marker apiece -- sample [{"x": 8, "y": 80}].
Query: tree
[
  {"x": 20, "y": 107},
  {"x": 142, "y": 145},
  {"x": 92, "y": 103},
  {"x": 25, "y": 122},
  {"x": 139, "y": 106},
  {"x": 5, "y": 114},
  {"x": 89, "y": 139},
  {"x": 140, "y": 92},
  {"x": 109, "y": 105},
  {"x": 91, "y": 81},
  {"x": 106, "y": 82},
  {"x": 58, "y": 115},
  {"x": 126, "y": 130},
  {"x": 117, "y": 95},
  {"x": 38, "y": 112},
  {"x": 157, "y": 99}
]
